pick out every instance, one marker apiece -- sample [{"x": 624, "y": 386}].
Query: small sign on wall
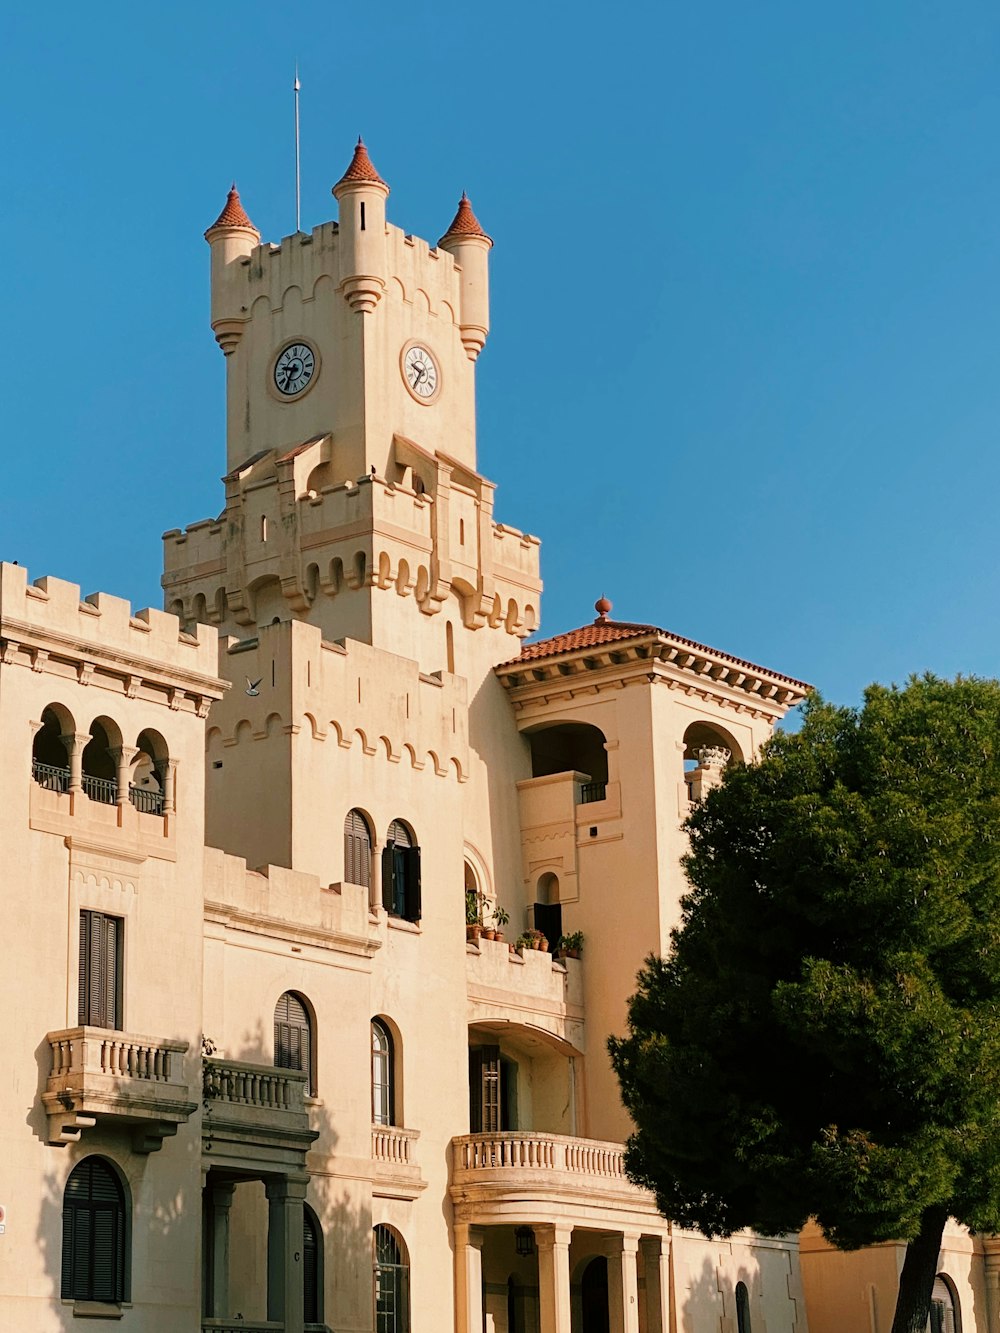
[{"x": 3, "y": 1218}]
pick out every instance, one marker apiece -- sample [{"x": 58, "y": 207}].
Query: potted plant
[
  {"x": 501, "y": 918},
  {"x": 521, "y": 943},
  {"x": 571, "y": 945},
  {"x": 538, "y": 940},
  {"x": 473, "y": 916}
]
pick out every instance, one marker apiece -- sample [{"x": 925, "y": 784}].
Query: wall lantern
[{"x": 524, "y": 1241}]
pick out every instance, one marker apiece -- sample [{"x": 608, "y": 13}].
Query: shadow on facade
[{"x": 169, "y": 1227}]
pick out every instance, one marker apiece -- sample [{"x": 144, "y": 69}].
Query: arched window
[
  {"x": 94, "y": 1240},
  {"x": 401, "y": 873},
  {"x": 357, "y": 849},
  {"x": 293, "y": 1036},
  {"x": 944, "y": 1308},
  {"x": 100, "y": 766},
  {"x": 147, "y": 790},
  {"x": 312, "y": 1267},
  {"x": 49, "y": 755},
  {"x": 742, "y": 1308},
  {"x": 392, "y": 1283},
  {"x": 383, "y": 1075}
]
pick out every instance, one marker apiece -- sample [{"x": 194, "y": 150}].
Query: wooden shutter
[
  {"x": 99, "y": 989},
  {"x": 292, "y": 1035},
  {"x": 411, "y": 861},
  {"x": 93, "y": 1241},
  {"x": 310, "y": 1268},
  {"x": 387, "y": 877},
  {"x": 357, "y": 850},
  {"x": 484, "y": 1089}
]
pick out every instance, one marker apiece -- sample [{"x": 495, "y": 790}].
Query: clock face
[
  {"x": 294, "y": 369},
  {"x": 420, "y": 372}
]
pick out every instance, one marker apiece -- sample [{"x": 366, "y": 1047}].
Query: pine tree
[{"x": 823, "y": 1039}]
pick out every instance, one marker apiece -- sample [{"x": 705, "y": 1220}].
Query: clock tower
[{"x": 353, "y": 499}]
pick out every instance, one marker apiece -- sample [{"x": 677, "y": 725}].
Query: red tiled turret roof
[
  {"x": 465, "y": 223},
  {"x": 234, "y": 214},
  {"x": 605, "y": 631},
  {"x": 361, "y": 168}
]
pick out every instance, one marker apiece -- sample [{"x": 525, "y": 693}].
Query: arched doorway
[{"x": 594, "y": 1297}]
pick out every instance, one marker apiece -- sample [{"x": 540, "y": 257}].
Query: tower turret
[
  {"x": 470, "y": 246},
  {"x": 232, "y": 237},
  {"x": 361, "y": 193}
]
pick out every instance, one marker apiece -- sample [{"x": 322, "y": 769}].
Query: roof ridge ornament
[
  {"x": 233, "y": 216},
  {"x": 361, "y": 170}
]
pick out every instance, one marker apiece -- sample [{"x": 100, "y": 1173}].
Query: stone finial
[
  {"x": 233, "y": 217},
  {"x": 714, "y": 757},
  {"x": 465, "y": 224},
  {"x": 603, "y": 608},
  {"x": 361, "y": 170}
]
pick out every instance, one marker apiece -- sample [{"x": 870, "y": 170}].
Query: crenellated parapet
[
  {"x": 345, "y": 695},
  {"x": 295, "y": 540},
  {"x": 47, "y": 626}
]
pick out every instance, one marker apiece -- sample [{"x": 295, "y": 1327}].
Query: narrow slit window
[{"x": 362, "y": 217}]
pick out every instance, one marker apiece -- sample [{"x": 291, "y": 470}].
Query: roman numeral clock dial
[
  {"x": 294, "y": 369},
  {"x": 420, "y": 372}
]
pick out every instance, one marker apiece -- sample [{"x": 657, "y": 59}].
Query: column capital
[
  {"x": 623, "y": 1242},
  {"x": 280, "y": 1188},
  {"x": 79, "y": 738},
  {"x": 549, "y": 1234},
  {"x": 222, "y": 1194},
  {"x": 468, "y": 1234}
]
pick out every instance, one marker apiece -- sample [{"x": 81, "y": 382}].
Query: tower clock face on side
[
  {"x": 420, "y": 372},
  {"x": 294, "y": 370}
]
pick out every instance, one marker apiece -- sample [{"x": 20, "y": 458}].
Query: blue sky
[{"x": 742, "y": 375}]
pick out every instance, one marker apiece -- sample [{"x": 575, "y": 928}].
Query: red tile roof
[
  {"x": 361, "y": 168},
  {"x": 234, "y": 214},
  {"x": 464, "y": 223},
  {"x": 604, "y": 631}
]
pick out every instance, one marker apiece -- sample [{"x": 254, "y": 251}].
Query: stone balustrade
[
  {"x": 256, "y": 1116},
  {"x": 541, "y": 1164},
  {"x": 100, "y": 1074},
  {"x": 393, "y": 1145}
]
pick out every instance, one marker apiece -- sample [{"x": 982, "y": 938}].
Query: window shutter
[
  {"x": 310, "y": 1269},
  {"x": 99, "y": 986},
  {"x": 388, "y": 867},
  {"x": 411, "y": 858},
  {"x": 93, "y": 1240},
  {"x": 83, "y": 987},
  {"x": 484, "y": 1089}
]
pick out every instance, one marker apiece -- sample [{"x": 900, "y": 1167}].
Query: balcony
[
  {"x": 255, "y": 1115},
  {"x": 395, "y": 1172},
  {"x": 494, "y": 1171},
  {"x": 116, "y": 1078}
]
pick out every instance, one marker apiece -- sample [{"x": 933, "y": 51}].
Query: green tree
[{"x": 824, "y": 1037}]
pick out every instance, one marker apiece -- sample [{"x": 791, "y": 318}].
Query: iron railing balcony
[
  {"x": 50, "y": 776},
  {"x": 593, "y": 791},
  {"x": 146, "y": 800},
  {"x": 104, "y": 790}
]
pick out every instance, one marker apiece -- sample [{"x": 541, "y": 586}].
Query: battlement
[
  {"x": 300, "y": 262},
  {"x": 50, "y": 616}
]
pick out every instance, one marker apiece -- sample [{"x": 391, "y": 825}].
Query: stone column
[
  {"x": 285, "y": 1197},
  {"x": 553, "y": 1277},
  {"x": 75, "y": 743},
  {"x": 656, "y": 1266},
  {"x": 124, "y": 757},
  {"x": 623, "y": 1282},
  {"x": 165, "y": 770},
  {"x": 468, "y": 1278},
  {"x": 220, "y": 1200},
  {"x": 991, "y": 1257}
]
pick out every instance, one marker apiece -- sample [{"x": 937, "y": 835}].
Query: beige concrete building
[{"x": 286, "y": 1052}]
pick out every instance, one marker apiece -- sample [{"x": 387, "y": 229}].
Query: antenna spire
[{"x": 298, "y": 176}]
